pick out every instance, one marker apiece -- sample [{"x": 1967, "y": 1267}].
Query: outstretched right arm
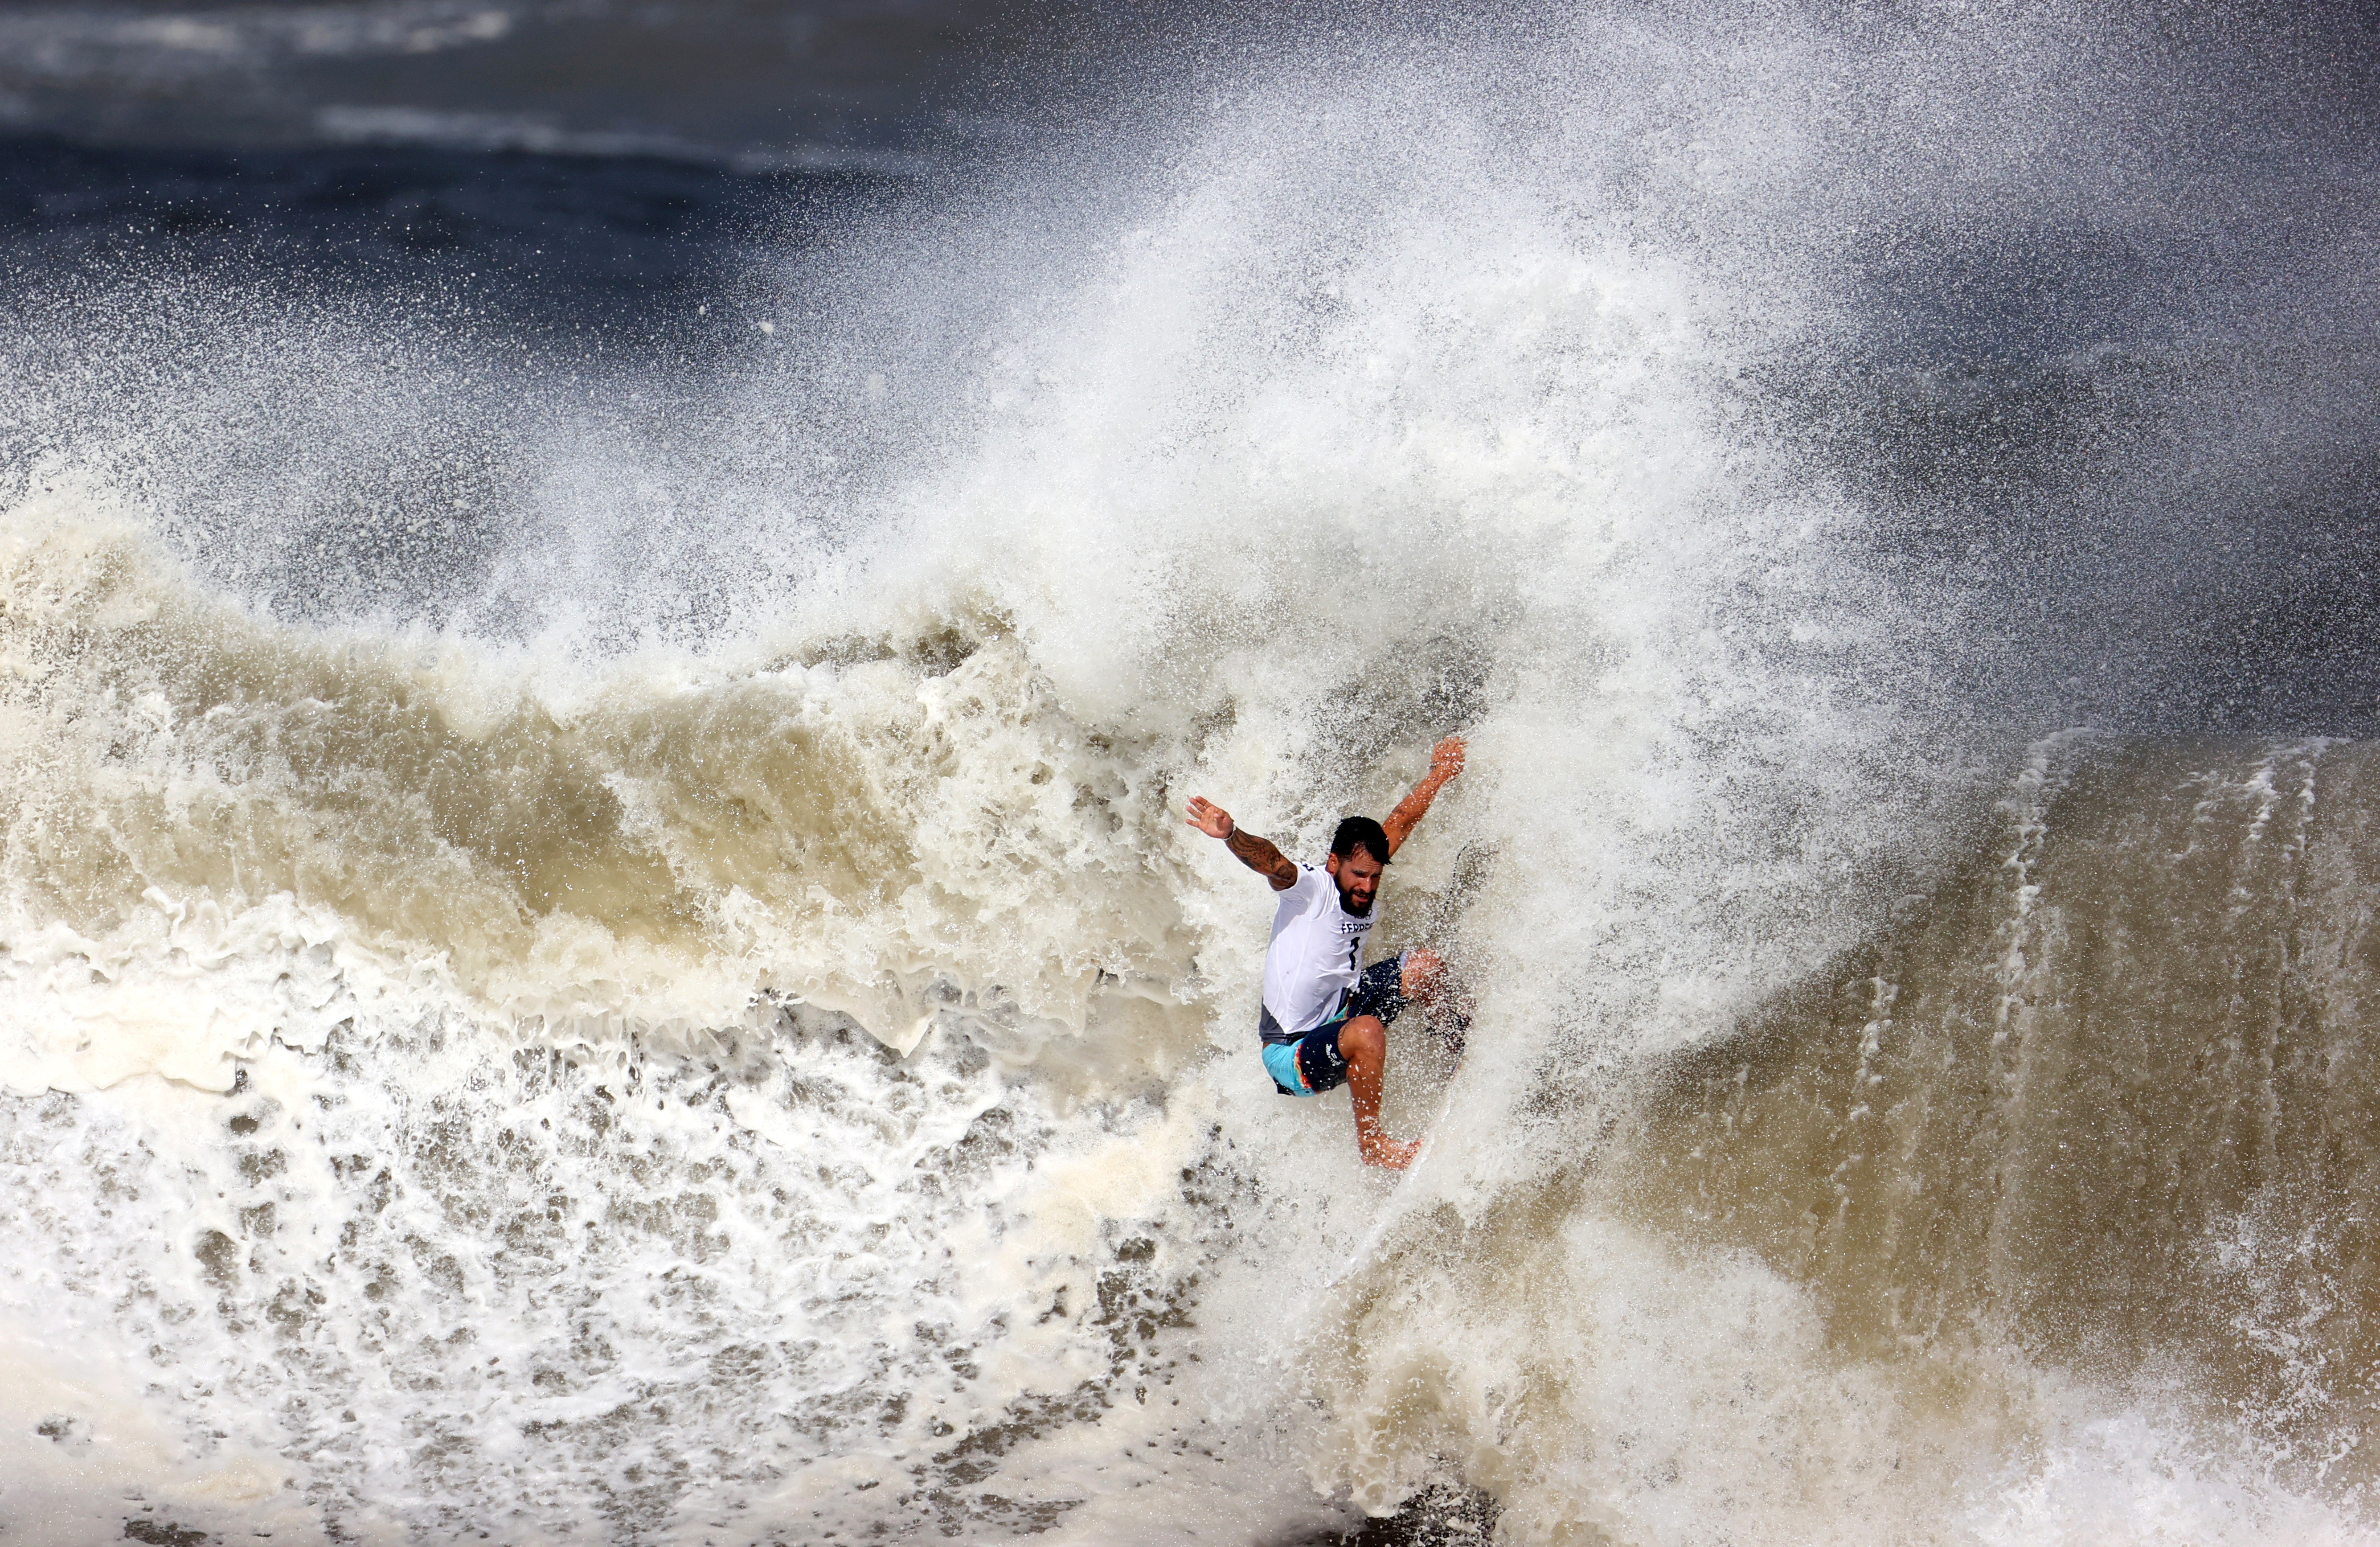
[{"x": 1256, "y": 853}]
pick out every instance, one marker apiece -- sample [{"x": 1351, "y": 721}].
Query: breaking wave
[{"x": 607, "y": 949}]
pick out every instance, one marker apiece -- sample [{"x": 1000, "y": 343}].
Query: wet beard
[{"x": 1347, "y": 903}]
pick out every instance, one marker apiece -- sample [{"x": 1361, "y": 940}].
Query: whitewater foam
[{"x": 661, "y": 991}]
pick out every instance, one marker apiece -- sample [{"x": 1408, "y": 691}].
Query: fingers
[{"x": 1209, "y": 818}]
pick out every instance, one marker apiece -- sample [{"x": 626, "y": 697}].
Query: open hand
[
  {"x": 1446, "y": 758},
  {"x": 1209, "y": 818}
]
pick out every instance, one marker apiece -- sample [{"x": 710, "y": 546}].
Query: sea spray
[{"x": 596, "y": 951}]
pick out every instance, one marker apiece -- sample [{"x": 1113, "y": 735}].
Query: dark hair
[{"x": 1360, "y": 832}]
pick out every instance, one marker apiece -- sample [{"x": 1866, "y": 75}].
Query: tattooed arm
[
  {"x": 1256, "y": 853},
  {"x": 1445, "y": 762}
]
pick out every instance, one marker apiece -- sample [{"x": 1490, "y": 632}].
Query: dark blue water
[
  {"x": 608, "y": 244},
  {"x": 762, "y": 82}
]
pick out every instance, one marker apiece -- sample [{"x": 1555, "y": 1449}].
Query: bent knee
[{"x": 1363, "y": 1040}]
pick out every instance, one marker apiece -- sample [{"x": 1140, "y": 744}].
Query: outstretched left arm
[{"x": 1445, "y": 762}]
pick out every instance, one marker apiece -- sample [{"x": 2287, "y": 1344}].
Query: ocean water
[{"x": 596, "y": 938}]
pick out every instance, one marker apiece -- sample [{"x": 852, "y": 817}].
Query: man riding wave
[{"x": 1324, "y": 1018}]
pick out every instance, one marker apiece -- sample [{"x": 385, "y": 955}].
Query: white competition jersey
[{"x": 1315, "y": 955}]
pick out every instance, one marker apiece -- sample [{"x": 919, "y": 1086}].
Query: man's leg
[{"x": 1364, "y": 1044}]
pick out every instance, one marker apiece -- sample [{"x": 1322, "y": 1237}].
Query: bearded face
[{"x": 1357, "y": 876}]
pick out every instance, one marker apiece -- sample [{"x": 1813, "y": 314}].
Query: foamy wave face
[
  {"x": 654, "y": 854},
  {"x": 430, "y": 1283},
  {"x": 707, "y": 1008}
]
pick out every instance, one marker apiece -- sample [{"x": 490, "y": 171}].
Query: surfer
[{"x": 1324, "y": 1016}]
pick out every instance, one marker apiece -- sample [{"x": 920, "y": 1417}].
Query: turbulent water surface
[{"x": 596, "y": 938}]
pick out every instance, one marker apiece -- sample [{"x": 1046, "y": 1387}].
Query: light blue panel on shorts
[{"x": 1280, "y": 1062}]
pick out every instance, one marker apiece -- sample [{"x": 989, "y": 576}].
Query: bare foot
[
  {"x": 1388, "y": 1154},
  {"x": 1422, "y": 973}
]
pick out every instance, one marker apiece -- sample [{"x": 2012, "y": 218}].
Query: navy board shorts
[{"x": 1310, "y": 1065}]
